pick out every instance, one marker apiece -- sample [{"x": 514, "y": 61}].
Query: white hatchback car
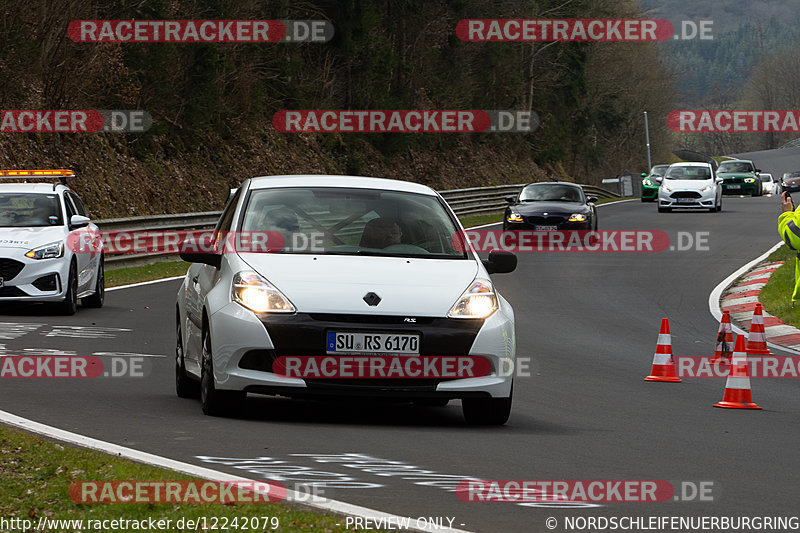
[
  {"x": 359, "y": 260},
  {"x": 41, "y": 225},
  {"x": 691, "y": 186}
]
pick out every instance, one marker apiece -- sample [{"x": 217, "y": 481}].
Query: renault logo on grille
[{"x": 372, "y": 299}]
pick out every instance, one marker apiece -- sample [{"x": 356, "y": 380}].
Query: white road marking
[{"x": 15, "y": 330}]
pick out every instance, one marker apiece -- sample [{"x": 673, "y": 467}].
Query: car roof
[
  {"x": 32, "y": 187},
  {"x": 325, "y": 180},
  {"x": 556, "y": 183},
  {"x": 690, "y": 164},
  {"x": 737, "y": 161}
]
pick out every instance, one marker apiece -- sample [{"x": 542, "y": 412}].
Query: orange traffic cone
[
  {"x": 757, "y": 340},
  {"x": 663, "y": 364},
  {"x": 737, "y": 389},
  {"x": 722, "y": 352}
]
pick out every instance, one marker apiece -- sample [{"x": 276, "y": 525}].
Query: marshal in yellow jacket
[{"x": 789, "y": 230}]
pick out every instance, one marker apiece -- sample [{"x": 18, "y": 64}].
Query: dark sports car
[{"x": 551, "y": 206}]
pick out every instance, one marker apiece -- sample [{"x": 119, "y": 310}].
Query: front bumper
[
  {"x": 740, "y": 187},
  {"x": 42, "y": 280},
  {"x": 681, "y": 199},
  {"x": 245, "y": 345},
  {"x": 536, "y": 223},
  {"x": 649, "y": 193}
]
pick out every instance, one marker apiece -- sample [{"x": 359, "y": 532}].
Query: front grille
[
  {"x": 9, "y": 268},
  {"x": 11, "y": 292},
  {"x": 368, "y": 319},
  {"x": 685, "y": 194},
  {"x": 551, "y": 220},
  {"x": 48, "y": 283}
]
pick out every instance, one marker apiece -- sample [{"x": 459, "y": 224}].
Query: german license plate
[
  {"x": 545, "y": 228},
  {"x": 372, "y": 343},
  {"x": 685, "y": 200},
  {"x": 734, "y": 186}
]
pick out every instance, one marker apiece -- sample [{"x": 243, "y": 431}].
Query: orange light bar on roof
[{"x": 41, "y": 173}]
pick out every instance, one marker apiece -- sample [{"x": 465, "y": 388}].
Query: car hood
[
  {"x": 792, "y": 181},
  {"x": 736, "y": 175},
  {"x": 530, "y": 208},
  {"x": 337, "y": 284},
  {"x": 30, "y": 237},
  {"x": 687, "y": 185}
]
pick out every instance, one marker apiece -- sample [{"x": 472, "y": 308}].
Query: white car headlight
[
  {"x": 577, "y": 217},
  {"x": 48, "y": 251},
  {"x": 259, "y": 295},
  {"x": 665, "y": 188},
  {"x": 478, "y": 301},
  {"x": 514, "y": 217},
  {"x": 749, "y": 180},
  {"x": 706, "y": 188}
]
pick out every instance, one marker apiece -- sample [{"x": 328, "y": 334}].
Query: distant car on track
[
  {"x": 740, "y": 176},
  {"x": 39, "y": 224},
  {"x": 690, "y": 186},
  {"x": 769, "y": 184},
  {"x": 384, "y": 267},
  {"x": 791, "y": 182},
  {"x": 651, "y": 182},
  {"x": 550, "y": 206}
]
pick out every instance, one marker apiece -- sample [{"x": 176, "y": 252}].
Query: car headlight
[
  {"x": 514, "y": 217},
  {"x": 48, "y": 251},
  {"x": 259, "y": 295},
  {"x": 648, "y": 182},
  {"x": 577, "y": 217},
  {"x": 706, "y": 188},
  {"x": 478, "y": 301},
  {"x": 749, "y": 180}
]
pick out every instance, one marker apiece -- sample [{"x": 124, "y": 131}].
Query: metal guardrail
[{"x": 472, "y": 201}]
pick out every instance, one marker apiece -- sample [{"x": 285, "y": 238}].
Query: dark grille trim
[{"x": 9, "y": 268}]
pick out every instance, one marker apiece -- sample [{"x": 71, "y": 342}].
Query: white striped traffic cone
[
  {"x": 722, "y": 351},
  {"x": 663, "y": 364},
  {"x": 737, "y": 389},
  {"x": 757, "y": 339}
]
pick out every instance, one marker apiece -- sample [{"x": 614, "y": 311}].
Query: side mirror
[
  {"x": 718, "y": 180},
  {"x": 659, "y": 179},
  {"x": 591, "y": 200},
  {"x": 644, "y": 175},
  {"x": 78, "y": 221},
  {"x": 214, "y": 260},
  {"x": 758, "y": 170},
  {"x": 511, "y": 199},
  {"x": 500, "y": 262}
]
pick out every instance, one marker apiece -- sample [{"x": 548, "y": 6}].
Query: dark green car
[
  {"x": 651, "y": 182},
  {"x": 740, "y": 176}
]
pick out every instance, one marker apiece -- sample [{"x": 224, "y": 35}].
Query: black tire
[
  {"x": 487, "y": 411},
  {"x": 97, "y": 299},
  {"x": 70, "y": 304},
  {"x": 719, "y": 207},
  {"x": 215, "y": 402},
  {"x": 185, "y": 386}
]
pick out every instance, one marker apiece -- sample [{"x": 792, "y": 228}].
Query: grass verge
[
  {"x": 776, "y": 296},
  {"x": 35, "y": 476},
  {"x": 128, "y": 275}
]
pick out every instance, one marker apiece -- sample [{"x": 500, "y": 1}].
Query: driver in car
[{"x": 380, "y": 233}]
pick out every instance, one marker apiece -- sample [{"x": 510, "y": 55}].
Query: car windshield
[
  {"x": 340, "y": 221},
  {"x": 551, "y": 192},
  {"x": 735, "y": 166},
  {"x": 20, "y": 210},
  {"x": 688, "y": 173},
  {"x": 766, "y": 178},
  {"x": 659, "y": 170}
]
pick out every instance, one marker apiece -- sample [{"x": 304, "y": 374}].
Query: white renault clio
[{"x": 356, "y": 267}]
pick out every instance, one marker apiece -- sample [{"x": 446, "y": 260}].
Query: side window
[
  {"x": 79, "y": 207},
  {"x": 70, "y": 208},
  {"x": 225, "y": 221}
]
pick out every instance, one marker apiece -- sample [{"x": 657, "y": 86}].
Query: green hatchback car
[
  {"x": 740, "y": 176},
  {"x": 651, "y": 182}
]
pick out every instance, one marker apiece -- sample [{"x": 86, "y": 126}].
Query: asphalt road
[{"x": 587, "y": 321}]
